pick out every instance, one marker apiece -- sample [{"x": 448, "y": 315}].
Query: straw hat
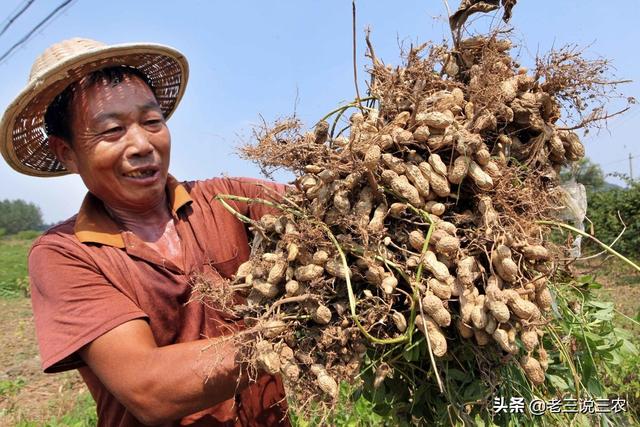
[{"x": 23, "y": 141}]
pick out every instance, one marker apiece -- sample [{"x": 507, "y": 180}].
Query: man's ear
[{"x": 63, "y": 151}]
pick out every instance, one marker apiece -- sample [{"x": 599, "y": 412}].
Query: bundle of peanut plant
[{"x": 412, "y": 254}]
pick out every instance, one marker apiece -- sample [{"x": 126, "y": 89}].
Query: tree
[
  {"x": 604, "y": 207},
  {"x": 18, "y": 215},
  {"x": 586, "y": 173},
  {"x": 607, "y": 204}
]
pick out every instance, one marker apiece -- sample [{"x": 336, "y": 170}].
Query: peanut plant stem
[
  {"x": 582, "y": 233},
  {"x": 354, "y": 104},
  {"x": 352, "y": 297}
]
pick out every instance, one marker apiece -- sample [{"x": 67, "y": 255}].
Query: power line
[
  {"x": 15, "y": 11},
  {"x": 34, "y": 29},
  {"x": 12, "y": 19},
  {"x": 621, "y": 160}
]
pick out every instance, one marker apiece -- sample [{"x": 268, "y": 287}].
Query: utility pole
[{"x": 630, "y": 167}]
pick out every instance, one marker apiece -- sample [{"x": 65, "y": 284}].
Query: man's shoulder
[{"x": 58, "y": 233}]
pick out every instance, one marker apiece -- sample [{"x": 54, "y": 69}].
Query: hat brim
[{"x": 24, "y": 143}]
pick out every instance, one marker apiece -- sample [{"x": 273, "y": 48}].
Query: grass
[
  {"x": 81, "y": 414},
  {"x": 621, "y": 284},
  {"x": 11, "y": 387},
  {"x": 29, "y": 397},
  {"x": 351, "y": 410},
  {"x": 14, "y": 278}
]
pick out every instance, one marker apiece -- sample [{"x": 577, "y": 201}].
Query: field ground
[
  {"x": 30, "y": 398},
  {"x": 620, "y": 284}
]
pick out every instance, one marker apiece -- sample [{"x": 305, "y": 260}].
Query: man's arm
[{"x": 160, "y": 384}]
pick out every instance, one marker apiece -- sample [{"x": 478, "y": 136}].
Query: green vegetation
[
  {"x": 81, "y": 414},
  {"x": 26, "y": 235},
  {"x": 18, "y": 215},
  {"x": 351, "y": 410},
  {"x": 587, "y": 332},
  {"x": 57, "y": 402},
  {"x": 14, "y": 279},
  {"x": 11, "y": 387},
  {"x": 586, "y": 173},
  {"x": 623, "y": 380},
  {"x": 610, "y": 208}
]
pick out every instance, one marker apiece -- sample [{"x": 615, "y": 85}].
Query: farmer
[{"x": 112, "y": 287}]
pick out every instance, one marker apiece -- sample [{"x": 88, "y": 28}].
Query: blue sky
[{"x": 255, "y": 59}]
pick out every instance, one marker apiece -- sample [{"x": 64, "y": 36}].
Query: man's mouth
[{"x": 141, "y": 173}]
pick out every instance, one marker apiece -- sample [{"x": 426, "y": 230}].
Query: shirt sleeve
[{"x": 73, "y": 303}]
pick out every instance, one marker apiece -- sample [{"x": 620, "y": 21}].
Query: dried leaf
[
  {"x": 468, "y": 8},
  {"x": 508, "y": 5}
]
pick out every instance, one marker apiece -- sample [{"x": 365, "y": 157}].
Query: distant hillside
[{"x": 609, "y": 186}]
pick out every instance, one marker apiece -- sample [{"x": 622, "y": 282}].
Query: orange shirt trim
[{"x": 94, "y": 225}]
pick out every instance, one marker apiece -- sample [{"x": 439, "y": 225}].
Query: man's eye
[
  {"x": 153, "y": 122},
  {"x": 112, "y": 130}
]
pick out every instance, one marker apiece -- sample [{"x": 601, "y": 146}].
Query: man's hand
[{"x": 160, "y": 384}]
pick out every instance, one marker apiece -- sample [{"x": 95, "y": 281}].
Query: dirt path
[{"x": 27, "y": 395}]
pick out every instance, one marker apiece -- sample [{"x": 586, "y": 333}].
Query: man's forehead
[
  {"x": 102, "y": 82},
  {"x": 101, "y": 93}
]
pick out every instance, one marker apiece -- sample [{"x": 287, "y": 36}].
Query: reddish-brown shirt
[{"x": 88, "y": 276}]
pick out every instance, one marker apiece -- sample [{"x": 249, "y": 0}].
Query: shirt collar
[{"x": 95, "y": 225}]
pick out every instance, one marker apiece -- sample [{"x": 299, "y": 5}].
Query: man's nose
[{"x": 138, "y": 142}]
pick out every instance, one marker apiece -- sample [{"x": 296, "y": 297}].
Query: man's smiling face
[{"x": 120, "y": 143}]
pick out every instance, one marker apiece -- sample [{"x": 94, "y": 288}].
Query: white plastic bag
[{"x": 574, "y": 210}]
